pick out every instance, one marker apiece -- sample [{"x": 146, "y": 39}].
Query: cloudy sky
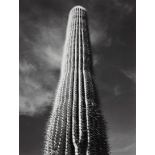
[{"x": 42, "y": 33}]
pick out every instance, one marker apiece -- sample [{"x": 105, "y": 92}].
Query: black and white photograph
[{"x": 77, "y": 77}]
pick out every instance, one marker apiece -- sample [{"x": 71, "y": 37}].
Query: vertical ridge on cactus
[{"x": 76, "y": 126}]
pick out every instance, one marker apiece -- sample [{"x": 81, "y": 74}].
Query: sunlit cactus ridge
[{"x": 76, "y": 126}]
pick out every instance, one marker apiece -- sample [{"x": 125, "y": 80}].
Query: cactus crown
[{"x": 76, "y": 126}]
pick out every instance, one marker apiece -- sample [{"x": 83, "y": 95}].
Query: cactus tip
[{"x": 79, "y": 7}]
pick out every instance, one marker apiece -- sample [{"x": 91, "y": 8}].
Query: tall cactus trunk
[{"x": 76, "y": 126}]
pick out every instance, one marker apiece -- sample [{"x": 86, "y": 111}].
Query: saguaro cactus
[{"x": 76, "y": 126}]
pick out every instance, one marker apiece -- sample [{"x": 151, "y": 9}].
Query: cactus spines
[{"x": 76, "y": 126}]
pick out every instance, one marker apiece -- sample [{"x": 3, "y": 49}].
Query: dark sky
[{"x": 112, "y": 25}]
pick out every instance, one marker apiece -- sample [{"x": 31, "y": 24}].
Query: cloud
[
  {"x": 48, "y": 46},
  {"x": 35, "y": 94},
  {"x": 96, "y": 36},
  {"x": 125, "y": 149},
  {"x": 31, "y": 105},
  {"x": 123, "y": 142},
  {"x": 26, "y": 67},
  {"x": 33, "y": 98},
  {"x": 41, "y": 43},
  {"x": 131, "y": 74}
]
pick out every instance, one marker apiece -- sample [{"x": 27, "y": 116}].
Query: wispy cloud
[
  {"x": 40, "y": 61},
  {"x": 26, "y": 67},
  {"x": 131, "y": 74},
  {"x": 33, "y": 98},
  {"x": 34, "y": 95},
  {"x": 125, "y": 149},
  {"x": 48, "y": 45}
]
